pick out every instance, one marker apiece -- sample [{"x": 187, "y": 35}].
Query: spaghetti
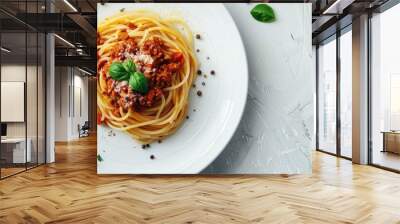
[{"x": 163, "y": 55}]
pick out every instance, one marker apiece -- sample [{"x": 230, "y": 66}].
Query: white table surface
[
  {"x": 276, "y": 133},
  {"x": 12, "y": 140},
  {"x": 19, "y": 149}
]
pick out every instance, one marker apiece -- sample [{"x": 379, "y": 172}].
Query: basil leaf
[
  {"x": 118, "y": 72},
  {"x": 138, "y": 82},
  {"x": 99, "y": 158},
  {"x": 133, "y": 82},
  {"x": 263, "y": 13},
  {"x": 129, "y": 66}
]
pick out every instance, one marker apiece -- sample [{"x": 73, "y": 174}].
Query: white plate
[{"x": 217, "y": 113}]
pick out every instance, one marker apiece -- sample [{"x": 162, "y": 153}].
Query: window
[
  {"x": 385, "y": 89},
  {"x": 327, "y": 96},
  {"x": 346, "y": 93},
  {"x": 394, "y": 101}
]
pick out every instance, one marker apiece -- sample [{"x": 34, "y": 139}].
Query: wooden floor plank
[{"x": 70, "y": 191}]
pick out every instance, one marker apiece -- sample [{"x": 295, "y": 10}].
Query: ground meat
[
  {"x": 152, "y": 96},
  {"x": 153, "y": 47},
  {"x": 129, "y": 46},
  {"x": 136, "y": 100},
  {"x": 178, "y": 59},
  {"x": 99, "y": 118},
  {"x": 100, "y": 64},
  {"x": 100, "y": 40},
  {"x": 167, "y": 70},
  {"x": 123, "y": 35},
  {"x": 162, "y": 78},
  {"x": 150, "y": 59},
  {"x": 132, "y": 26},
  {"x": 110, "y": 85}
]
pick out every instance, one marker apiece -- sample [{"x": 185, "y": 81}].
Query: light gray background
[{"x": 276, "y": 133}]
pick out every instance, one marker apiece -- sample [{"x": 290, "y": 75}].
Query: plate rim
[{"x": 243, "y": 102}]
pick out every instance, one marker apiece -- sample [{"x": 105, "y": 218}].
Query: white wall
[
  {"x": 70, "y": 83},
  {"x": 61, "y": 103},
  {"x": 79, "y": 117},
  {"x": 12, "y": 73}
]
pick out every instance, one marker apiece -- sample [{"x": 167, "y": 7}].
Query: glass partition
[
  {"x": 22, "y": 77},
  {"x": 31, "y": 97},
  {"x": 13, "y": 94},
  {"x": 327, "y": 96}
]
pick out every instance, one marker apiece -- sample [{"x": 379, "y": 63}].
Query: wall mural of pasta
[{"x": 187, "y": 88}]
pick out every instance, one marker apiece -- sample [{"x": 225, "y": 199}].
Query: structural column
[
  {"x": 360, "y": 90},
  {"x": 50, "y": 92}
]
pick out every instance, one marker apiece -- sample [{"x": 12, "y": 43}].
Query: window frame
[{"x": 334, "y": 37}]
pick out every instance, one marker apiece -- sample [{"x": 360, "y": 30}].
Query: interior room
[
  {"x": 51, "y": 158},
  {"x": 385, "y": 90},
  {"x": 23, "y": 99}
]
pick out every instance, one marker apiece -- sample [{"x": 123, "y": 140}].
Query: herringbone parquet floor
[{"x": 69, "y": 191}]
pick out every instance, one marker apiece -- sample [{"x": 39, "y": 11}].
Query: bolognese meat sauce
[{"x": 152, "y": 60}]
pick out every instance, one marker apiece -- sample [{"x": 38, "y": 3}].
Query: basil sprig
[
  {"x": 99, "y": 158},
  {"x": 129, "y": 65},
  {"x": 263, "y": 13},
  {"x": 126, "y": 71},
  {"x": 138, "y": 82},
  {"x": 118, "y": 72}
]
